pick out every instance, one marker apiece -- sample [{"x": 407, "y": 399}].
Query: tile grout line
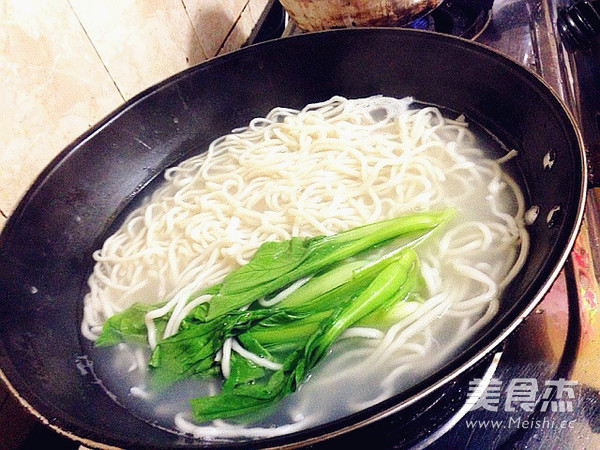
[
  {"x": 96, "y": 51},
  {"x": 246, "y": 6},
  {"x": 187, "y": 14}
]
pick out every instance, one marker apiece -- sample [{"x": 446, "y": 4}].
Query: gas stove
[{"x": 541, "y": 388}]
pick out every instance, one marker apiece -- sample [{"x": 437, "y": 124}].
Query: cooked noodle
[{"x": 332, "y": 166}]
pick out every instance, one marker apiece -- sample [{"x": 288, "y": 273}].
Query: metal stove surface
[{"x": 543, "y": 386}]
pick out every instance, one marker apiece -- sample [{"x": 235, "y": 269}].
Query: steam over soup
[{"x": 308, "y": 265}]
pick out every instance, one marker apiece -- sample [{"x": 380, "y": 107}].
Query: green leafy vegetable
[
  {"x": 342, "y": 284},
  {"x": 309, "y": 256},
  {"x": 128, "y": 326},
  {"x": 191, "y": 351},
  {"x": 248, "y": 397}
]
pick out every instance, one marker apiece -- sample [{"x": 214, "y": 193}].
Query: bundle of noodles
[{"x": 327, "y": 168}]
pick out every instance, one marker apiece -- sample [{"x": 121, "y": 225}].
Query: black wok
[{"x": 46, "y": 245}]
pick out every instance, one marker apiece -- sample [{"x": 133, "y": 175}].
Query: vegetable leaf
[
  {"x": 185, "y": 354},
  {"x": 237, "y": 400},
  {"x": 345, "y": 287},
  {"x": 320, "y": 252},
  {"x": 128, "y": 326},
  {"x": 271, "y": 260}
]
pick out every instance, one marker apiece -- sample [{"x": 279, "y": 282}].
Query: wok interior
[{"x": 46, "y": 246}]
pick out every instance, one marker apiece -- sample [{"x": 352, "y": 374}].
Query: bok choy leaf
[
  {"x": 238, "y": 399},
  {"x": 339, "y": 283}
]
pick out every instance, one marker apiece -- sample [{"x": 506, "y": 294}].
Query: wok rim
[{"x": 60, "y": 425}]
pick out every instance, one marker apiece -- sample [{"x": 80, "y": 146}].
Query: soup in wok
[{"x": 308, "y": 265}]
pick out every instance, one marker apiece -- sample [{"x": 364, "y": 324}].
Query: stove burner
[
  {"x": 464, "y": 18},
  {"x": 579, "y": 24}
]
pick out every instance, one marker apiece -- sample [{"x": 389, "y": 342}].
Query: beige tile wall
[{"x": 65, "y": 64}]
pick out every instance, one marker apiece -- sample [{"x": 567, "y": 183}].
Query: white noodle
[
  {"x": 176, "y": 319},
  {"x": 226, "y": 357},
  {"x": 362, "y": 332},
  {"x": 284, "y": 293},
  {"x": 256, "y": 359}
]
